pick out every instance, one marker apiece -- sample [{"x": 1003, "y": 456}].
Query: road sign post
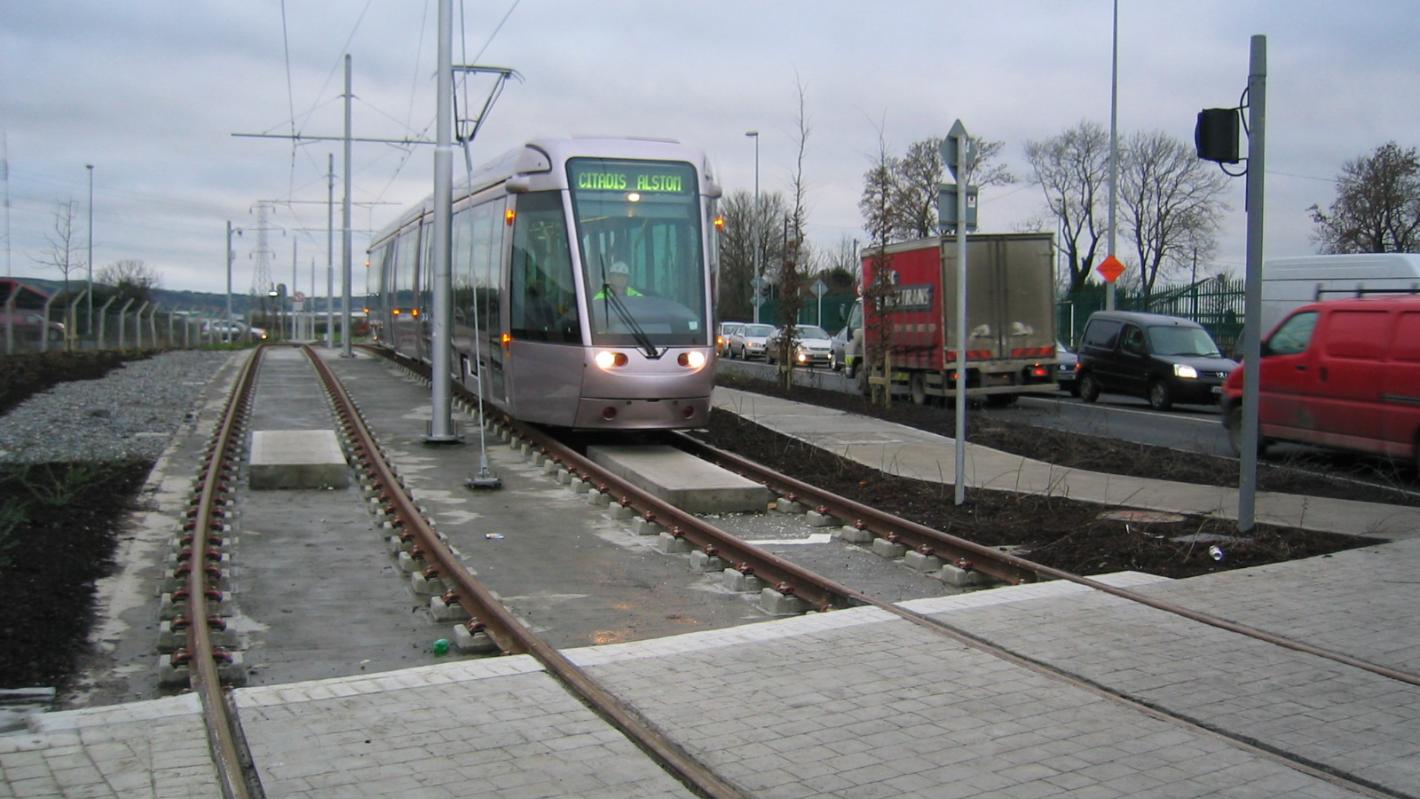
[
  {"x": 819, "y": 289},
  {"x": 958, "y": 151}
]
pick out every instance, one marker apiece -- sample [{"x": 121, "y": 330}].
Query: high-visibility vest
[{"x": 630, "y": 292}]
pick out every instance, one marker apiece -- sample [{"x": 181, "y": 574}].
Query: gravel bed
[{"x": 131, "y": 413}]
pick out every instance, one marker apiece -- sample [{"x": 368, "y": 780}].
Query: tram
[{"x": 583, "y": 275}]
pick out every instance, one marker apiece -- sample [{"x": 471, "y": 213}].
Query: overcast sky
[{"x": 150, "y": 93}]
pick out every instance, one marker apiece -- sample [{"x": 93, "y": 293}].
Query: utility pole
[
  {"x": 5, "y": 174},
  {"x": 295, "y": 287},
  {"x": 346, "y": 351},
  {"x": 90, "y": 167},
  {"x": 1113, "y": 149},
  {"x": 229, "y": 278},
  {"x": 441, "y": 430},
  {"x": 1252, "y": 280},
  {"x": 329, "y": 252}
]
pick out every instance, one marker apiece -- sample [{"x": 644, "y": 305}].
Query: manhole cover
[{"x": 1142, "y": 516}]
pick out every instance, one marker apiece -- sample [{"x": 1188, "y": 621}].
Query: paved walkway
[
  {"x": 904, "y": 451},
  {"x": 856, "y": 703}
]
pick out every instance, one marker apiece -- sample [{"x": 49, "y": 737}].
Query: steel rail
[
  {"x": 947, "y": 547},
  {"x": 966, "y": 638},
  {"x": 500, "y": 624},
  {"x": 776, "y": 572},
  {"x": 203, "y": 675},
  {"x": 995, "y": 562}
]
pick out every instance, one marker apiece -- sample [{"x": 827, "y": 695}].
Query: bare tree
[
  {"x": 1072, "y": 170},
  {"x": 61, "y": 254},
  {"x": 791, "y": 274},
  {"x": 1377, "y": 205},
  {"x": 920, "y": 175},
  {"x": 745, "y": 229},
  {"x": 876, "y": 205},
  {"x": 1169, "y": 200},
  {"x": 129, "y": 278},
  {"x": 841, "y": 268}
]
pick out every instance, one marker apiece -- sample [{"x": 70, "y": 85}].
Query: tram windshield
[{"x": 639, "y": 230}]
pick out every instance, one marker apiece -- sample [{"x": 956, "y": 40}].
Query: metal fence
[
  {"x": 48, "y": 326},
  {"x": 1215, "y": 303}
]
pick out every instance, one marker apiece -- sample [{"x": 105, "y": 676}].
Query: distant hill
[{"x": 203, "y": 302}]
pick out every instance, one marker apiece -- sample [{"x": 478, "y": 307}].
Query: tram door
[{"x": 479, "y": 244}]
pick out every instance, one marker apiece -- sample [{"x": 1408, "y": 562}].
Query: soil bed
[
  {"x": 57, "y": 536},
  {"x": 1062, "y": 533},
  {"x": 1090, "y": 453}
]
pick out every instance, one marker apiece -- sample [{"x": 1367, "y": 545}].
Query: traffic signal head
[{"x": 1216, "y": 135}]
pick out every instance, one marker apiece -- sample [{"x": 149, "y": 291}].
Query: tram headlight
[
  {"x": 693, "y": 359},
  {"x": 608, "y": 360}
]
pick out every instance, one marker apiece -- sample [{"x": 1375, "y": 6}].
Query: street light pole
[
  {"x": 90, "y": 167},
  {"x": 754, "y": 225},
  {"x": 1113, "y": 149},
  {"x": 227, "y": 334}
]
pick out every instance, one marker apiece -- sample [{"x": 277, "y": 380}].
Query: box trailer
[{"x": 1010, "y": 317}]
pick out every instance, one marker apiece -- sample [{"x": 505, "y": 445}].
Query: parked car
[
  {"x": 1066, "y": 360},
  {"x": 1342, "y": 374},
  {"x": 722, "y": 339},
  {"x": 28, "y": 324},
  {"x": 748, "y": 341},
  {"x": 1164, "y": 359},
  {"x": 811, "y": 346}
]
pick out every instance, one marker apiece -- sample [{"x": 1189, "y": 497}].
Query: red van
[{"x": 1342, "y": 374}]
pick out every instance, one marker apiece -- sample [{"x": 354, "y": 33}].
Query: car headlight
[{"x": 1184, "y": 371}]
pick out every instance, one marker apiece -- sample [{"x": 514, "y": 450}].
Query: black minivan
[{"x": 1162, "y": 358}]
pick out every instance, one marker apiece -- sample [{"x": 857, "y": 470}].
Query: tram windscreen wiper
[{"x": 610, "y": 297}]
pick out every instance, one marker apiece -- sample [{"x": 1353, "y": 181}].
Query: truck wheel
[
  {"x": 917, "y": 383},
  {"x": 1089, "y": 388},
  {"x": 1160, "y": 396}
]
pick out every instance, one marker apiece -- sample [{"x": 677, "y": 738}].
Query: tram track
[
  {"x": 507, "y": 635},
  {"x": 1000, "y": 565}
]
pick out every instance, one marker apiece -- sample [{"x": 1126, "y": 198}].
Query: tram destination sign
[{"x": 643, "y": 177}]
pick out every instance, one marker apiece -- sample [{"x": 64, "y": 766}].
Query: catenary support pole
[
  {"x": 441, "y": 430},
  {"x": 345, "y": 326},
  {"x": 330, "y": 252}
]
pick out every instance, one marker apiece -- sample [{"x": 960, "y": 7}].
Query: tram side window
[
  {"x": 406, "y": 251},
  {"x": 376, "y": 294},
  {"x": 426, "y": 270},
  {"x": 486, "y": 254},
  {"x": 461, "y": 256},
  {"x": 542, "y": 293}
]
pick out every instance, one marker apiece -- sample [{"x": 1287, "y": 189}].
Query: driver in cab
[{"x": 618, "y": 282}]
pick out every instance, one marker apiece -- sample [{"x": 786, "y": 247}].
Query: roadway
[{"x": 1191, "y": 428}]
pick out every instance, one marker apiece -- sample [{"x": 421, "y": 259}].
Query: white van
[{"x": 1289, "y": 283}]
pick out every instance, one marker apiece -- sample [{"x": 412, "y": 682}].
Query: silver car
[
  {"x": 812, "y": 346},
  {"x": 748, "y": 341}
]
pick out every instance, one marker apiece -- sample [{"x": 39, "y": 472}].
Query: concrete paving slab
[
  {"x": 291, "y": 459},
  {"x": 683, "y": 480}
]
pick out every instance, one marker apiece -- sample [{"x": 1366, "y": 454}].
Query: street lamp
[
  {"x": 754, "y": 225},
  {"x": 90, "y": 167}
]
